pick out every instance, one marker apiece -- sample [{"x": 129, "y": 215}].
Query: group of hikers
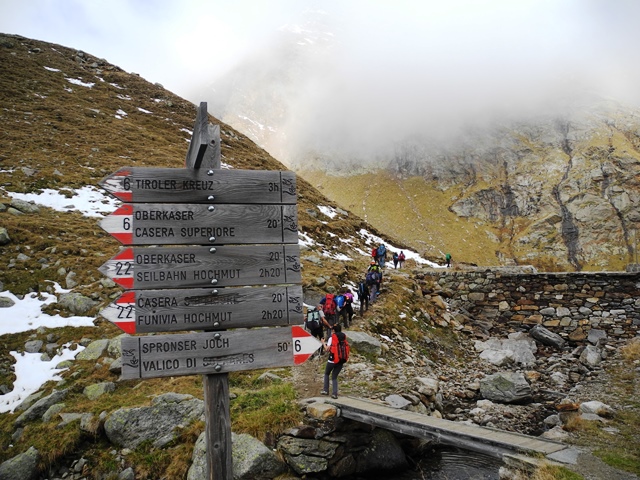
[
  {"x": 325, "y": 323},
  {"x": 335, "y": 312}
]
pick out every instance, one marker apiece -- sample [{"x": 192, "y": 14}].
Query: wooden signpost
[
  {"x": 217, "y": 213},
  {"x": 149, "y": 311},
  {"x": 222, "y": 266},
  {"x": 215, "y": 352},
  {"x": 208, "y": 186},
  {"x": 178, "y": 224}
]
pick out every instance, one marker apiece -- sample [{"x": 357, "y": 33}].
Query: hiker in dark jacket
[
  {"x": 346, "y": 313},
  {"x": 363, "y": 295}
]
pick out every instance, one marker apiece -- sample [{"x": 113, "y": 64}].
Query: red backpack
[
  {"x": 340, "y": 348},
  {"x": 329, "y": 306}
]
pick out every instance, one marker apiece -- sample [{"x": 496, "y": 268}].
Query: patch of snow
[
  {"x": 88, "y": 200},
  {"x": 26, "y": 314},
  {"x": 31, "y": 373},
  {"x": 76, "y": 81},
  {"x": 328, "y": 211},
  {"x": 51, "y": 69},
  {"x": 143, "y": 110},
  {"x": 123, "y": 97}
]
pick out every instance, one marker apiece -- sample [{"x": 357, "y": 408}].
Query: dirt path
[{"x": 307, "y": 378}]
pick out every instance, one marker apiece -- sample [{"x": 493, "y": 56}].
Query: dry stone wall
[{"x": 570, "y": 304}]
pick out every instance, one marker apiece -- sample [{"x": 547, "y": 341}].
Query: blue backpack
[
  {"x": 340, "y": 301},
  {"x": 371, "y": 278},
  {"x": 382, "y": 250}
]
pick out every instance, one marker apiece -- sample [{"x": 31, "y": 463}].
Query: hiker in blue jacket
[{"x": 381, "y": 255}]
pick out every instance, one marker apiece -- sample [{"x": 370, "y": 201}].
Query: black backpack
[{"x": 313, "y": 320}]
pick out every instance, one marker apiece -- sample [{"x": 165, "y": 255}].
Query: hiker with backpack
[
  {"x": 339, "y": 350},
  {"x": 330, "y": 310},
  {"x": 401, "y": 258},
  {"x": 447, "y": 259},
  {"x": 346, "y": 309},
  {"x": 363, "y": 295},
  {"x": 372, "y": 278},
  {"x": 396, "y": 258},
  {"x": 314, "y": 322},
  {"x": 381, "y": 254}
]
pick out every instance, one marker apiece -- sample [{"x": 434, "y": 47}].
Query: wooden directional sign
[
  {"x": 197, "y": 267},
  {"x": 209, "y": 186},
  {"x": 178, "y": 224},
  {"x": 215, "y": 352},
  {"x": 145, "y": 311}
]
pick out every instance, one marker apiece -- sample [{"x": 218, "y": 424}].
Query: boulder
[
  {"x": 305, "y": 455},
  {"x": 506, "y": 387},
  {"x": 384, "y": 453},
  {"x": 6, "y": 302},
  {"x": 590, "y": 356},
  {"x": 597, "y": 408},
  {"x": 129, "y": 427},
  {"x": 321, "y": 411},
  {"x": 24, "y": 206},
  {"x": 547, "y": 337},
  {"x": 4, "y": 236},
  {"x": 94, "y": 350},
  {"x": 397, "y": 401},
  {"x": 427, "y": 386},
  {"x": 364, "y": 343},
  {"x": 23, "y": 466},
  {"x": 96, "y": 390},
  {"x": 38, "y": 409},
  {"x": 76, "y": 303}
]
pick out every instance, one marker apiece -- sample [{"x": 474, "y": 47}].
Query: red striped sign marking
[{"x": 304, "y": 344}]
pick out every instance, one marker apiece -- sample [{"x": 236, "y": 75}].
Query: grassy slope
[{"x": 410, "y": 210}]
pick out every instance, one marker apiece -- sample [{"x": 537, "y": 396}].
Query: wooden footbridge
[{"x": 490, "y": 441}]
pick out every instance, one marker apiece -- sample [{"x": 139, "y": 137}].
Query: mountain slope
[{"x": 556, "y": 186}]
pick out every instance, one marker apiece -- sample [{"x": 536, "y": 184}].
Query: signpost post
[{"x": 218, "y": 213}]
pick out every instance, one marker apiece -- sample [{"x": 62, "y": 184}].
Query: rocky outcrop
[
  {"x": 339, "y": 447},
  {"x": 23, "y": 466},
  {"x": 158, "y": 423},
  {"x": 251, "y": 459},
  {"x": 506, "y": 387}
]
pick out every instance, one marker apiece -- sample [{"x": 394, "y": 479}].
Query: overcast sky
[{"x": 452, "y": 59}]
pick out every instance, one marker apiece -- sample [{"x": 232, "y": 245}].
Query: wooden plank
[
  {"x": 171, "y": 310},
  {"x": 476, "y": 438},
  {"x": 199, "y": 267},
  {"x": 178, "y": 224},
  {"x": 215, "y": 352},
  {"x": 203, "y": 186}
]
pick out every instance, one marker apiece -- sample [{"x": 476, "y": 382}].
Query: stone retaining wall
[{"x": 570, "y": 304}]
